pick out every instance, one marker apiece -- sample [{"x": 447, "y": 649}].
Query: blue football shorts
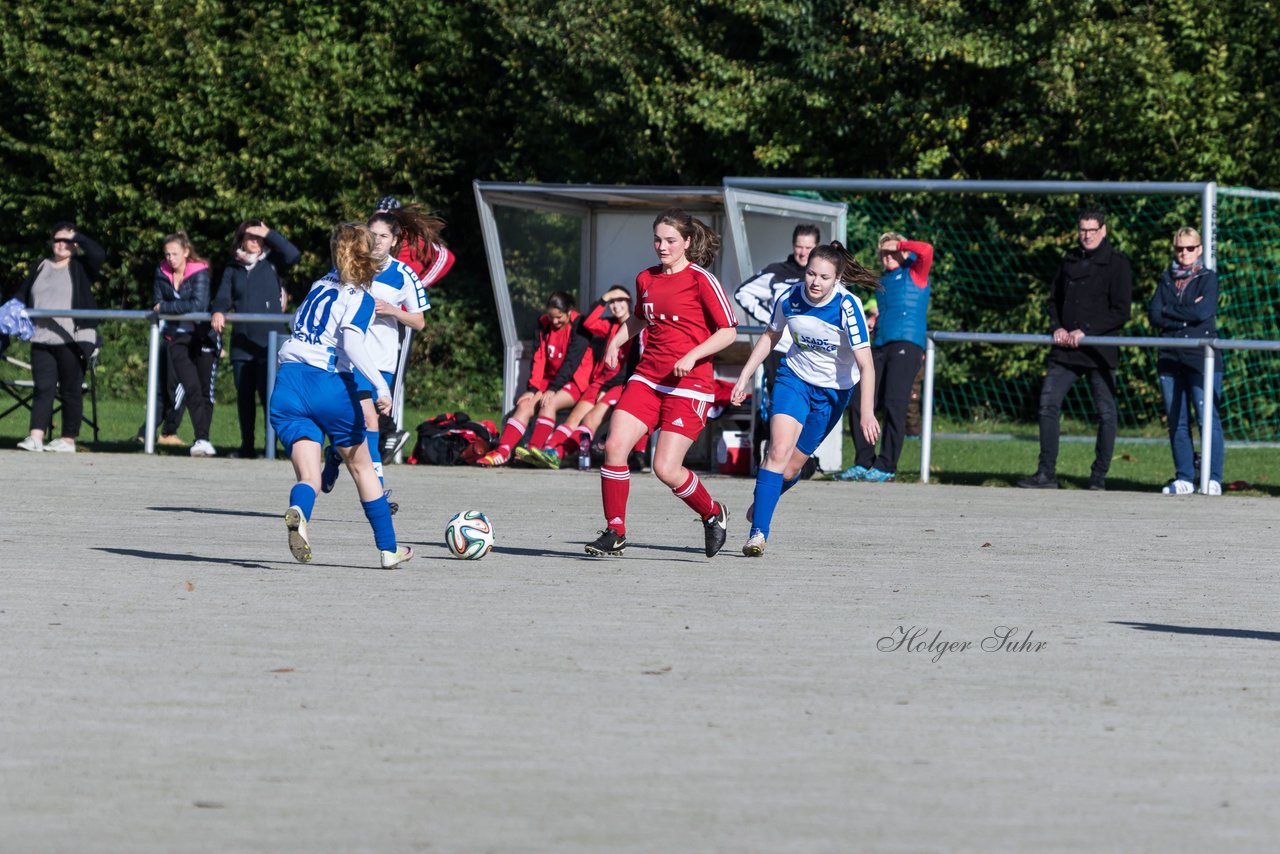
[
  {"x": 818, "y": 410},
  {"x": 364, "y": 388},
  {"x": 310, "y": 403}
]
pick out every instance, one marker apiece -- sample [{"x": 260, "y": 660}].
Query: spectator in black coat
[
  {"x": 253, "y": 284},
  {"x": 1091, "y": 296}
]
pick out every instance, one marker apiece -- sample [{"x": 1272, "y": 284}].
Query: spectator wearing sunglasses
[
  {"x": 61, "y": 347},
  {"x": 1090, "y": 296},
  {"x": 1185, "y": 305}
]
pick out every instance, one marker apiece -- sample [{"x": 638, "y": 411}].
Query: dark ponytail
[
  {"x": 561, "y": 301},
  {"x": 848, "y": 270},
  {"x": 411, "y": 225}
]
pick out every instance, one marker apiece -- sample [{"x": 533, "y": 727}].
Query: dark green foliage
[{"x": 140, "y": 119}]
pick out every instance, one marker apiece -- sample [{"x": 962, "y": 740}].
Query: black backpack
[{"x": 451, "y": 438}]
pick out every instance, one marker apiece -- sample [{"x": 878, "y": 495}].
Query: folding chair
[{"x": 22, "y": 388}]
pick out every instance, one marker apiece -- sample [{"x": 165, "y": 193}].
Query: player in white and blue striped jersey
[
  {"x": 830, "y": 352},
  {"x": 400, "y": 299},
  {"x": 315, "y": 393}
]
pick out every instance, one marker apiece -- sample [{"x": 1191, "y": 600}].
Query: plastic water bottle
[{"x": 584, "y": 456}]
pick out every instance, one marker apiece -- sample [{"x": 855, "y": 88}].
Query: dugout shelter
[{"x": 585, "y": 238}]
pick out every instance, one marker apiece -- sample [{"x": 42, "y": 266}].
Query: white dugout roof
[{"x": 615, "y": 241}]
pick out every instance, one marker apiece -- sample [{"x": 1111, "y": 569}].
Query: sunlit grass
[
  {"x": 1140, "y": 464},
  {"x": 989, "y": 458}
]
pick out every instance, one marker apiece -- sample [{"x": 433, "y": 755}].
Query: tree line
[{"x": 135, "y": 120}]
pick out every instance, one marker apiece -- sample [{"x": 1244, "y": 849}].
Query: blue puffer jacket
[{"x": 903, "y": 304}]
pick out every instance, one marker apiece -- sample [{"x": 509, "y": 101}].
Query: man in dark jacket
[{"x": 1090, "y": 297}]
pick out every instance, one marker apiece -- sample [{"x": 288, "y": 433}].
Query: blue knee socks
[
  {"x": 379, "y": 516},
  {"x": 303, "y": 497},
  {"x": 375, "y": 452},
  {"x": 768, "y": 490}
]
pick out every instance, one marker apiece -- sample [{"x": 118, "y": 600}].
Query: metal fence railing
[
  {"x": 153, "y": 356},
  {"x": 1210, "y": 348}
]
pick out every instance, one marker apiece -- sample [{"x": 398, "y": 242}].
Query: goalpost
[{"x": 998, "y": 245}]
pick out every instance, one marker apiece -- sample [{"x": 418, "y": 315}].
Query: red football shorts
[
  {"x": 611, "y": 397},
  {"x": 570, "y": 388},
  {"x": 664, "y": 411}
]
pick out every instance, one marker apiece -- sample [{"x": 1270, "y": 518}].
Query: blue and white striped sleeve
[
  {"x": 359, "y": 311},
  {"x": 413, "y": 294},
  {"x": 855, "y": 322}
]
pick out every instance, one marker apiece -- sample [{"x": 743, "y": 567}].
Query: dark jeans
[
  {"x": 1057, "y": 382},
  {"x": 195, "y": 361},
  {"x": 250, "y": 377},
  {"x": 56, "y": 369},
  {"x": 897, "y": 364}
]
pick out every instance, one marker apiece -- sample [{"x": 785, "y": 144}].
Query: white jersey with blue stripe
[
  {"x": 329, "y": 308},
  {"x": 397, "y": 284},
  {"x": 824, "y": 337}
]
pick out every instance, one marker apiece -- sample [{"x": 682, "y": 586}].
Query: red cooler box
[{"x": 733, "y": 452}]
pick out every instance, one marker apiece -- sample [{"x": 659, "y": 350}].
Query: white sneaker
[
  {"x": 1179, "y": 487},
  {"x": 299, "y": 547},
  {"x": 1215, "y": 488},
  {"x": 61, "y": 446},
  {"x": 755, "y": 545},
  {"x": 390, "y": 560},
  {"x": 202, "y": 448},
  {"x": 31, "y": 443}
]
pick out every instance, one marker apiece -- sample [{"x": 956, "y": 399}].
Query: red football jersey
[
  {"x": 682, "y": 310},
  {"x": 553, "y": 346},
  {"x": 603, "y": 327},
  {"x": 430, "y": 266}
]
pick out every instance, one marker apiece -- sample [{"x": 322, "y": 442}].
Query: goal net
[{"x": 997, "y": 252}]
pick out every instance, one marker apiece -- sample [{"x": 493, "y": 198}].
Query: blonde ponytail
[{"x": 352, "y": 249}]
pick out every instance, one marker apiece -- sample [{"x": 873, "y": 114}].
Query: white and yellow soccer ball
[{"x": 469, "y": 535}]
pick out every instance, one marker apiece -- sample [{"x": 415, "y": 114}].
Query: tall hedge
[{"x": 136, "y": 119}]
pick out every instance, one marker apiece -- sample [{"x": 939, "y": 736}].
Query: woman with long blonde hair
[{"x": 315, "y": 394}]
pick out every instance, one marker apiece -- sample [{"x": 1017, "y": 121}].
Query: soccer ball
[{"x": 469, "y": 535}]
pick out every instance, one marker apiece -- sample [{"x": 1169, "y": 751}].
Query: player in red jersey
[
  {"x": 427, "y": 255},
  {"x": 561, "y": 369},
  {"x": 688, "y": 318}
]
